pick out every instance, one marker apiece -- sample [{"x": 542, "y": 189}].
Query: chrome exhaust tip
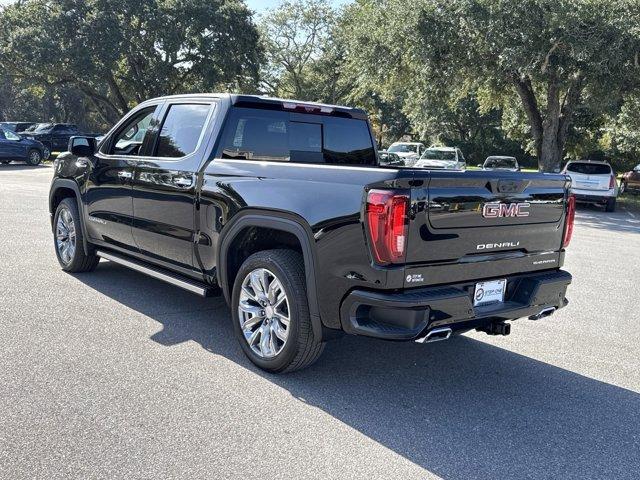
[
  {"x": 545, "y": 312},
  {"x": 435, "y": 335}
]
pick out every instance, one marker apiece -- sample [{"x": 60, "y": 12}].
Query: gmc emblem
[{"x": 497, "y": 210}]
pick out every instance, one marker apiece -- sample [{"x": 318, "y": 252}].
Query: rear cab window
[
  {"x": 587, "y": 168},
  {"x": 280, "y": 136}
]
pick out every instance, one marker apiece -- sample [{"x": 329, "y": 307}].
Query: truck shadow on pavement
[{"x": 459, "y": 409}]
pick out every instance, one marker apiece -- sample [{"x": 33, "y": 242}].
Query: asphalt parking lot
[{"x": 112, "y": 374}]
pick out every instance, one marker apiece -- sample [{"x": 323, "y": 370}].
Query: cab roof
[{"x": 273, "y": 103}]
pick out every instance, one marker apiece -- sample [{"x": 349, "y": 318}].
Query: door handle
[
  {"x": 124, "y": 174},
  {"x": 184, "y": 182}
]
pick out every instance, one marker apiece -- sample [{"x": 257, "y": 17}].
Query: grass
[{"x": 629, "y": 201}]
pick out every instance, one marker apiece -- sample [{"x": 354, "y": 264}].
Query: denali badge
[
  {"x": 97, "y": 220},
  {"x": 486, "y": 246},
  {"x": 497, "y": 209}
]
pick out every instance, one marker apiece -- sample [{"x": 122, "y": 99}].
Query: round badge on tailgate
[{"x": 479, "y": 294}]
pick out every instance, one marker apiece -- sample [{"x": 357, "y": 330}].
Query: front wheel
[
  {"x": 271, "y": 314},
  {"x": 68, "y": 239},
  {"x": 623, "y": 187}
]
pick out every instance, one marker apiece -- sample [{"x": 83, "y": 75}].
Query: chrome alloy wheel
[
  {"x": 65, "y": 236},
  {"x": 34, "y": 158},
  {"x": 264, "y": 313}
]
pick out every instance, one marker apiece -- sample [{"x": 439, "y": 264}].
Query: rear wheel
[
  {"x": 271, "y": 314},
  {"x": 34, "y": 158},
  {"x": 611, "y": 205},
  {"x": 68, "y": 239},
  {"x": 46, "y": 153}
]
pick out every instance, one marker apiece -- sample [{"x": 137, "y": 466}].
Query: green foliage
[
  {"x": 550, "y": 55},
  {"x": 120, "y": 52},
  {"x": 541, "y": 80},
  {"x": 295, "y": 37}
]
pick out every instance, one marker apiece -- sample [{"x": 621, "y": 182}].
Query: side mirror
[{"x": 82, "y": 146}]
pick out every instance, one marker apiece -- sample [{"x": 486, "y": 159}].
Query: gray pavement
[{"x": 113, "y": 374}]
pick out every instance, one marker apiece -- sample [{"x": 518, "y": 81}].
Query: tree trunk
[
  {"x": 549, "y": 131},
  {"x": 550, "y": 153}
]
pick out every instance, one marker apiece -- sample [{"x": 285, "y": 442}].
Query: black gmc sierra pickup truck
[{"x": 282, "y": 207}]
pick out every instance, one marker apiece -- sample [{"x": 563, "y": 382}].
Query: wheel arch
[
  {"x": 287, "y": 224},
  {"x": 62, "y": 188}
]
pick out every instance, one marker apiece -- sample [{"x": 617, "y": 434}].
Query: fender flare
[
  {"x": 276, "y": 221},
  {"x": 59, "y": 183}
]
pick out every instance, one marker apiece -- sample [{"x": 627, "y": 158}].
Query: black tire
[
  {"x": 34, "y": 157},
  {"x": 46, "y": 153},
  {"x": 78, "y": 261},
  {"x": 623, "y": 188},
  {"x": 611, "y": 205},
  {"x": 301, "y": 348}
]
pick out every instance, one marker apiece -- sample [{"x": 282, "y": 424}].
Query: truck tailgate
[{"x": 481, "y": 224}]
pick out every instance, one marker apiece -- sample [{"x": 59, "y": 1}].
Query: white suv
[
  {"x": 593, "y": 182},
  {"x": 448, "y": 158}
]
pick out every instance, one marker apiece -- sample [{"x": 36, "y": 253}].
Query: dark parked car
[
  {"x": 631, "y": 181},
  {"x": 499, "y": 162},
  {"x": 16, "y": 126},
  {"x": 16, "y": 147},
  {"x": 54, "y": 136},
  {"x": 282, "y": 207}
]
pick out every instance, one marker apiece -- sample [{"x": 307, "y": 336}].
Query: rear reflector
[
  {"x": 571, "y": 216},
  {"x": 387, "y": 225}
]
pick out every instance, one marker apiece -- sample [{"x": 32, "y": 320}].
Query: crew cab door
[
  {"x": 164, "y": 185},
  {"x": 109, "y": 205}
]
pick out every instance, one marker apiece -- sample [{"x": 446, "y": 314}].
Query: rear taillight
[
  {"x": 571, "y": 216},
  {"x": 387, "y": 225},
  {"x": 612, "y": 182}
]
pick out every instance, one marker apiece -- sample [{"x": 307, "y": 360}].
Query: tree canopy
[
  {"x": 538, "y": 79},
  {"x": 117, "y": 53}
]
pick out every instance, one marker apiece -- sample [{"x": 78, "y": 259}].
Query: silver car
[{"x": 593, "y": 182}]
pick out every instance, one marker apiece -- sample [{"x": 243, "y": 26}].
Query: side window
[
  {"x": 11, "y": 136},
  {"x": 128, "y": 139},
  {"x": 182, "y": 129},
  {"x": 257, "y": 135},
  {"x": 268, "y": 135}
]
